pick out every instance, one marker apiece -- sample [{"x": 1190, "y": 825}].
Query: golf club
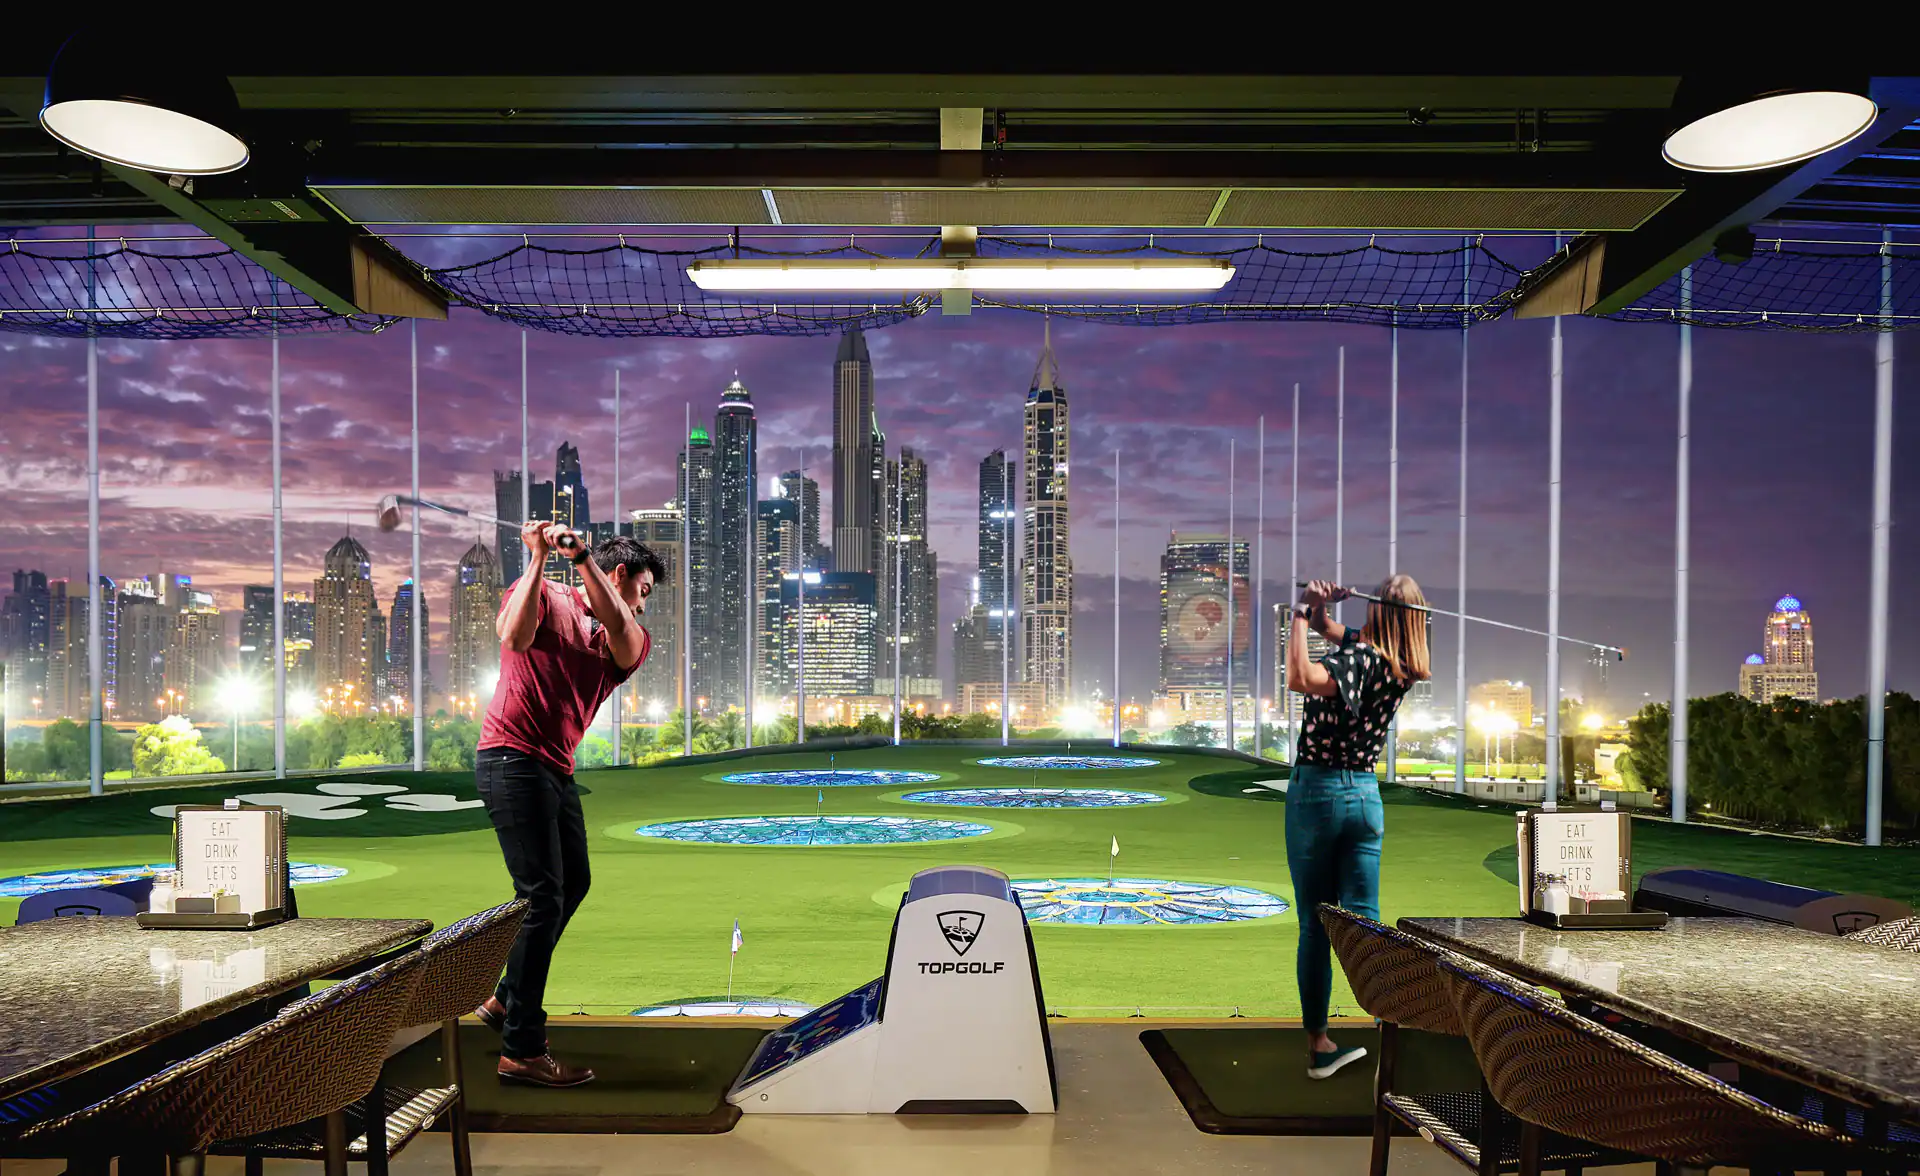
[
  {"x": 1619, "y": 653},
  {"x": 388, "y": 512}
]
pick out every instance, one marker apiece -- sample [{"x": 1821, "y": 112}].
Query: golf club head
[{"x": 388, "y": 512}]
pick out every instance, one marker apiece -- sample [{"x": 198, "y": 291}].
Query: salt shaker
[
  {"x": 161, "y": 899},
  {"x": 1554, "y": 899}
]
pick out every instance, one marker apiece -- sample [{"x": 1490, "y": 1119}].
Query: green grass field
[{"x": 657, "y": 924}]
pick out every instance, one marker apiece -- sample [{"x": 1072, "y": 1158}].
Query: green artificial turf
[{"x": 657, "y": 924}]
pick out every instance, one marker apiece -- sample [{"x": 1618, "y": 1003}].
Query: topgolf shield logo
[{"x": 961, "y": 928}]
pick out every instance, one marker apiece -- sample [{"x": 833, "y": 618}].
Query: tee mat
[{"x": 957, "y": 1025}]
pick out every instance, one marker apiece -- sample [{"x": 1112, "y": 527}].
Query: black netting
[
  {"x": 1830, "y": 286},
  {"x": 152, "y": 289}
]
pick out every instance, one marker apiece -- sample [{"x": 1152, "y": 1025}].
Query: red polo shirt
[{"x": 549, "y": 692}]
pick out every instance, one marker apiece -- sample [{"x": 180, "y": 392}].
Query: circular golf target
[
  {"x": 27, "y": 885},
  {"x": 1126, "y": 902},
  {"x": 1066, "y": 761},
  {"x": 811, "y": 831},
  {"x": 721, "y": 1006},
  {"x": 832, "y": 778},
  {"x": 1036, "y": 797}
]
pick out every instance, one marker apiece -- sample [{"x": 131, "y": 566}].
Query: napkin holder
[
  {"x": 1593, "y": 850},
  {"x": 230, "y": 869}
]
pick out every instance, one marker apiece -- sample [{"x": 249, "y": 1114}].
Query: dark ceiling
[{"x": 348, "y": 136}]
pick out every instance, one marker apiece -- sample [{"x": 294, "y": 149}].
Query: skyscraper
[
  {"x": 140, "y": 661},
  {"x": 473, "y": 656},
  {"x": 1291, "y": 705},
  {"x": 840, "y": 617},
  {"x": 1784, "y": 666},
  {"x": 399, "y": 651},
  {"x": 976, "y": 646},
  {"x": 1046, "y": 579},
  {"x": 806, "y": 492},
  {"x": 567, "y": 479},
  {"x": 1193, "y": 621},
  {"x": 195, "y": 657},
  {"x": 776, "y": 556},
  {"x": 696, "y": 498},
  {"x": 69, "y": 679},
  {"x": 256, "y": 630},
  {"x": 853, "y": 430},
  {"x": 735, "y": 481},
  {"x": 920, "y": 592},
  {"x": 26, "y": 618},
  {"x": 298, "y": 631},
  {"x": 506, "y": 508},
  {"x": 345, "y": 643},
  {"x": 657, "y": 681}
]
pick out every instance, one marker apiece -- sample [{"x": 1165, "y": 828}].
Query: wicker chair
[
  {"x": 318, "y": 1056},
  {"x": 1559, "y": 1071},
  {"x": 462, "y": 964},
  {"x": 1396, "y": 978},
  {"x": 1899, "y": 934}
]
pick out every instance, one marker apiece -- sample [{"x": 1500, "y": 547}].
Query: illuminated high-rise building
[
  {"x": 920, "y": 578},
  {"x": 140, "y": 657},
  {"x": 806, "y": 493},
  {"x": 399, "y": 686},
  {"x": 840, "y": 616},
  {"x": 1046, "y": 573},
  {"x": 568, "y": 480},
  {"x": 696, "y": 497},
  {"x": 26, "y": 627},
  {"x": 656, "y": 685},
  {"x": 1506, "y": 700},
  {"x": 473, "y": 654},
  {"x": 999, "y": 569},
  {"x": 196, "y": 655},
  {"x": 256, "y": 630},
  {"x": 1193, "y": 622},
  {"x": 506, "y": 508},
  {"x": 735, "y": 473},
  {"x": 855, "y": 506},
  {"x": 1784, "y": 665},
  {"x": 346, "y": 644},
  {"x": 776, "y": 556}
]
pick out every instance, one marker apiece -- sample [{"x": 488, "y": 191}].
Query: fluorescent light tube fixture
[{"x": 997, "y": 275}]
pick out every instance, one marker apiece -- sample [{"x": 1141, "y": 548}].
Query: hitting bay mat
[
  {"x": 651, "y": 1079},
  {"x": 1254, "y": 1081}
]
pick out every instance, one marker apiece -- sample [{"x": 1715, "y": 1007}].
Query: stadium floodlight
[
  {"x": 994, "y": 274},
  {"x": 1736, "y": 128},
  {"x": 112, "y": 96}
]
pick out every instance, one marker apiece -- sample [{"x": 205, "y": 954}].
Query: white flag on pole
[
  {"x": 1116, "y": 847},
  {"x": 736, "y": 937}
]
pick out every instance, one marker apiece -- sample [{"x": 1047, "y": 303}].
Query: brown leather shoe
[
  {"x": 492, "y": 1014},
  {"x": 543, "y": 1071}
]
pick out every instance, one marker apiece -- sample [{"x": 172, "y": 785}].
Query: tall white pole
[
  {"x": 1882, "y": 545},
  {"x": 416, "y": 681},
  {"x": 1259, "y": 577},
  {"x": 1553, "y": 566},
  {"x": 686, "y": 577},
  {"x": 1340, "y": 480},
  {"x": 800, "y": 617},
  {"x": 1393, "y": 518},
  {"x": 1460, "y": 592},
  {"x": 751, "y": 558},
  {"x": 899, "y": 479},
  {"x": 1677, "y": 726},
  {"x": 1232, "y": 567},
  {"x": 279, "y": 586},
  {"x": 96, "y": 611},
  {"x": 526, "y": 473},
  {"x": 1116, "y": 598},
  {"x": 1006, "y": 603},
  {"x": 620, "y": 691},
  {"x": 1293, "y": 564}
]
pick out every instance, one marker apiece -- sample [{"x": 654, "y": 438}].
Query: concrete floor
[{"x": 1117, "y": 1117}]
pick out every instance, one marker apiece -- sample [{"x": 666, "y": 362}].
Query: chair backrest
[
  {"x": 1395, "y": 977},
  {"x": 59, "y": 904},
  {"x": 1551, "y": 1066},
  {"x": 464, "y": 961},
  {"x": 319, "y": 1055},
  {"x": 1899, "y": 934}
]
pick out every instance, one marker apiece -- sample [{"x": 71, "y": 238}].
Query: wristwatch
[
  {"x": 1303, "y": 610},
  {"x": 586, "y": 554}
]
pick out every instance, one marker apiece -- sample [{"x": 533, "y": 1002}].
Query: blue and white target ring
[
  {"x": 1035, "y": 797},
  {"x": 738, "y": 1006},
  {"x": 833, "y": 778},
  {"x": 27, "y": 885},
  {"x": 835, "y": 830},
  {"x": 1134, "y": 902},
  {"x": 1067, "y": 762}
]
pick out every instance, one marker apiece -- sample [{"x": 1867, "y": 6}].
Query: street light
[
  {"x": 1592, "y": 721},
  {"x": 235, "y": 694}
]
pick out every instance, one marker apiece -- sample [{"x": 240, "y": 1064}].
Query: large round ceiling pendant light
[
  {"x": 1751, "y": 130},
  {"x": 129, "y": 105}
]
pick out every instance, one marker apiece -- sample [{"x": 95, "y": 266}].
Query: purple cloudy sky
[{"x": 1782, "y": 462}]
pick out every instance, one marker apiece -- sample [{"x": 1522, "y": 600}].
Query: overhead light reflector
[
  {"x": 128, "y": 104},
  {"x": 1006, "y": 275},
  {"x": 1769, "y": 130}
]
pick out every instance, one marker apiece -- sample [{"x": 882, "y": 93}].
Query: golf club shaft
[
  {"x": 457, "y": 511},
  {"x": 1616, "y": 650}
]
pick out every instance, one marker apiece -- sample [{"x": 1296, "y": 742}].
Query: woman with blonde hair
[{"x": 1334, "y": 817}]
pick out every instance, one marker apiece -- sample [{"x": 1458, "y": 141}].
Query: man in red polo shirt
[{"x": 563, "y": 652}]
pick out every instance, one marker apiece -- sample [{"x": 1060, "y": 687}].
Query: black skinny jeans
[{"x": 543, "y": 835}]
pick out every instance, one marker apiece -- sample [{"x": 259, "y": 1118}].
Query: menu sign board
[{"x": 1589, "y": 853}]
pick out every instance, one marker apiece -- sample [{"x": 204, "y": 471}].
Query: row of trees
[{"x": 1785, "y": 762}]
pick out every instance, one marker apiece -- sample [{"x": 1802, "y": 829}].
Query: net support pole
[
  {"x": 279, "y": 580},
  {"x": 620, "y": 691},
  {"x": 96, "y": 611},
  {"x": 1340, "y": 481},
  {"x": 899, "y": 697},
  {"x": 1293, "y": 562},
  {"x": 751, "y": 559},
  {"x": 1558, "y": 379},
  {"x": 800, "y": 615},
  {"x": 416, "y": 681},
  {"x": 686, "y": 579},
  {"x": 1257, "y": 671},
  {"x": 1882, "y": 547},
  {"x": 1393, "y": 515},
  {"x": 1233, "y": 567},
  {"x": 1460, "y": 588},
  {"x": 1677, "y": 725},
  {"x": 1006, "y": 603},
  {"x": 1116, "y": 598},
  {"x": 526, "y": 471}
]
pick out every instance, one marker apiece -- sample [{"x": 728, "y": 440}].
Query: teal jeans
[{"x": 1334, "y": 825}]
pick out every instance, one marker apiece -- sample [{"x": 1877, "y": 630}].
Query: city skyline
[{"x": 164, "y": 504}]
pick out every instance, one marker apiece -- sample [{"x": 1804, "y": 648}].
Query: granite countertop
[
  {"x": 76, "y": 992},
  {"x": 1840, "y": 1016}
]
